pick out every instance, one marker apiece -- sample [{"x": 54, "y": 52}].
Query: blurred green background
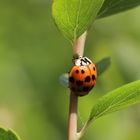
[{"x": 33, "y": 54}]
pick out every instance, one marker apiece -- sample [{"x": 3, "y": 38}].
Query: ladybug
[{"x": 82, "y": 76}]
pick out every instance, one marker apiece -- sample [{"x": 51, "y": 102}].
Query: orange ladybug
[{"x": 82, "y": 76}]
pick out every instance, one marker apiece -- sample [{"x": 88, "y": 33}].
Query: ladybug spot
[
  {"x": 71, "y": 79},
  {"x": 82, "y": 71},
  {"x": 93, "y": 77},
  {"x": 94, "y": 68},
  {"x": 86, "y": 89},
  {"x": 77, "y": 71},
  {"x": 79, "y": 83},
  {"x": 87, "y": 79}
]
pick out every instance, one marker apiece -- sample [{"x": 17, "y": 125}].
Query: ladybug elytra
[{"x": 82, "y": 76}]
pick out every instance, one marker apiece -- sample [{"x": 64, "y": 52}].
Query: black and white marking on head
[
  {"x": 77, "y": 61},
  {"x": 88, "y": 61},
  {"x": 82, "y": 61}
]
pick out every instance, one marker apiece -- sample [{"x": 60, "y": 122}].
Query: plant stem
[
  {"x": 78, "y": 49},
  {"x": 79, "y": 44},
  {"x": 72, "y": 126}
]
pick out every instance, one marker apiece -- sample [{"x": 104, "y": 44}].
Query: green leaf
[
  {"x": 73, "y": 17},
  {"x": 122, "y": 97},
  {"x": 103, "y": 65},
  {"x": 115, "y": 6},
  {"x": 8, "y": 135}
]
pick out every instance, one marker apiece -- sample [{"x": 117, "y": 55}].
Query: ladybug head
[{"x": 82, "y": 61}]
